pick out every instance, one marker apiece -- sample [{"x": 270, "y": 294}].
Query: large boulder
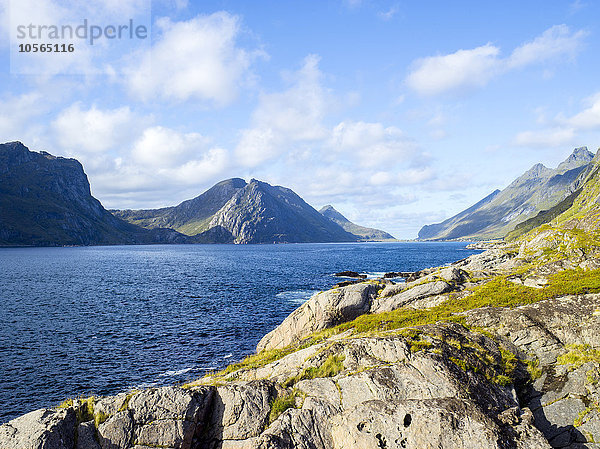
[
  {"x": 389, "y": 393},
  {"x": 169, "y": 417},
  {"x": 323, "y": 310},
  {"x": 40, "y": 429}
]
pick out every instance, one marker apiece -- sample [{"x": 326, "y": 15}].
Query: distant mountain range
[
  {"x": 234, "y": 211},
  {"x": 46, "y": 201},
  {"x": 538, "y": 189},
  {"x": 360, "y": 231}
]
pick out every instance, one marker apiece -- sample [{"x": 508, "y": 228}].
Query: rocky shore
[{"x": 499, "y": 350}]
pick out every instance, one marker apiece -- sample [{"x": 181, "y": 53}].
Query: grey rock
[
  {"x": 40, "y": 429},
  {"x": 409, "y": 296},
  {"x": 86, "y": 436},
  {"x": 323, "y": 310},
  {"x": 158, "y": 417},
  {"x": 240, "y": 410},
  {"x": 117, "y": 431}
]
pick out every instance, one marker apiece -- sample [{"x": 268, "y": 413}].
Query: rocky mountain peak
[
  {"x": 330, "y": 212},
  {"x": 539, "y": 170},
  {"x": 580, "y": 156}
]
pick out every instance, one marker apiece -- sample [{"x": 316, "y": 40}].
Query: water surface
[{"x": 101, "y": 320}]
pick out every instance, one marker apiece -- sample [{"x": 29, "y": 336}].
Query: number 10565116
[{"x": 46, "y": 48}]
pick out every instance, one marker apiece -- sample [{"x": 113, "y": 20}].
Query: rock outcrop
[{"x": 391, "y": 390}]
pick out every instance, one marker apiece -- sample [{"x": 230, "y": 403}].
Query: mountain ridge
[
  {"x": 537, "y": 189},
  {"x": 46, "y": 200},
  {"x": 253, "y": 212},
  {"x": 365, "y": 233}
]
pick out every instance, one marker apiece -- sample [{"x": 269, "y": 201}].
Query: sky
[{"x": 397, "y": 113}]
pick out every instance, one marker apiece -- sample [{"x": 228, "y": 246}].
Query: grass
[
  {"x": 85, "y": 411},
  {"x": 332, "y": 366},
  {"x": 498, "y": 292},
  {"x": 583, "y": 415},
  {"x": 533, "y": 368},
  {"x": 579, "y": 355},
  {"x": 495, "y": 292},
  {"x": 281, "y": 404}
]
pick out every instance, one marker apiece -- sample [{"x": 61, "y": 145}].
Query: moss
[
  {"x": 99, "y": 418},
  {"x": 502, "y": 380},
  {"x": 454, "y": 343},
  {"x": 498, "y": 292},
  {"x": 460, "y": 363},
  {"x": 125, "y": 404},
  {"x": 66, "y": 403},
  {"x": 495, "y": 292},
  {"x": 281, "y": 403},
  {"x": 509, "y": 362},
  {"x": 533, "y": 368},
  {"x": 579, "y": 355},
  {"x": 581, "y": 418},
  {"x": 419, "y": 345},
  {"x": 332, "y": 366}
]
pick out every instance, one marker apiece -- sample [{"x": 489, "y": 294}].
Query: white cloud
[
  {"x": 210, "y": 165},
  {"x": 552, "y": 137},
  {"x": 475, "y": 67},
  {"x": 257, "y": 145},
  {"x": 553, "y": 43},
  {"x": 93, "y": 130},
  {"x": 464, "y": 68},
  {"x": 283, "y": 118},
  {"x": 372, "y": 143},
  {"x": 589, "y": 118},
  {"x": 563, "y": 130},
  {"x": 162, "y": 147},
  {"x": 389, "y": 14},
  {"x": 17, "y": 113},
  {"x": 196, "y": 59}
]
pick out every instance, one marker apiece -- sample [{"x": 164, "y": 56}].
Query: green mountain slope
[
  {"x": 362, "y": 232},
  {"x": 540, "y": 188}
]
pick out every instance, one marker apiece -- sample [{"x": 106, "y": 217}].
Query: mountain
[
  {"x": 583, "y": 213},
  {"x": 190, "y": 217},
  {"x": 540, "y": 188},
  {"x": 46, "y": 201},
  {"x": 362, "y": 232},
  {"x": 234, "y": 211}
]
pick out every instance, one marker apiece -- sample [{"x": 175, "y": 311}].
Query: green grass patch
[
  {"x": 497, "y": 292},
  {"x": 281, "y": 403},
  {"x": 579, "y": 355},
  {"x": 533, "y": 368},
  {"x": 332, "y": 366}
]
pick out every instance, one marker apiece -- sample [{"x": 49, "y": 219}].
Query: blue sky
[{"x": 397, "y": 113}]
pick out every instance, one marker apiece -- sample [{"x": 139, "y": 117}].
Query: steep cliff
[{"x": 46, "y": 201}]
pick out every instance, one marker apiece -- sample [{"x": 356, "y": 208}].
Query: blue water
[{"x": 101, "y": 320}]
